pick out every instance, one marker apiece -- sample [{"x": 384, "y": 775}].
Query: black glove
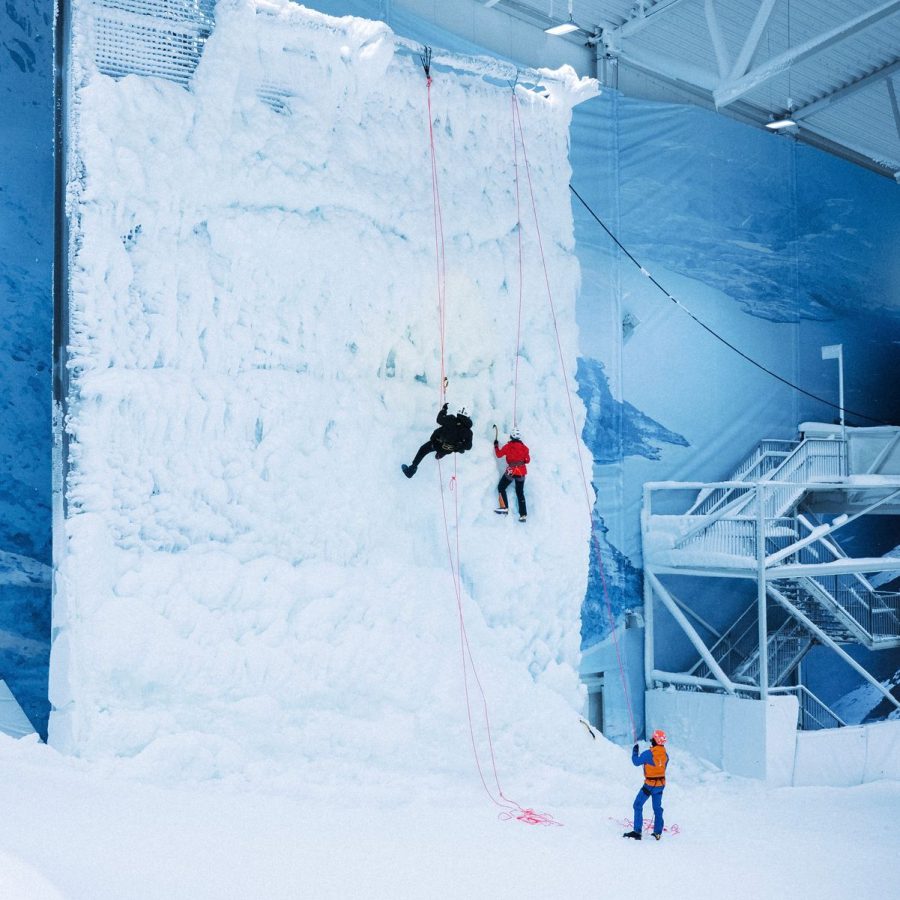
[
  {"x": 634, "y": 749},
  {"x": 496, "y": 442}
]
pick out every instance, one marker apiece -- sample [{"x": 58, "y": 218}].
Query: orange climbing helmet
[{"x": 659, "y": 736}]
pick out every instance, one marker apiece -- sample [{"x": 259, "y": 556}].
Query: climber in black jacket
[{"x": 454, "y": 435}]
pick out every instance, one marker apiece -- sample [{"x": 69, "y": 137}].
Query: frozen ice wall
[{"x": 251, "y": 584}]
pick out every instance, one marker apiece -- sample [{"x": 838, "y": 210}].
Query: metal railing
[
  {"x": 728, "y": 537},
  {"x": 785, "y": 647},
  {"x": 813, "y": 714},
  {"x": 886, "y": 613},
  {"x": 811, "y": 460},
  {"x": 734, "y": 647},
  {"x": 765, "y": 458},
  {"x": 808, "y": 460},
  {"x": 737, "y": 536},
  {"x": 725, "y": 520},
  {"x": 877, "y": 613},
  {"x": 737, "y": 651}
]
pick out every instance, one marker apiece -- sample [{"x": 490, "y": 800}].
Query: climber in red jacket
[{"x": 516, "y": 454}]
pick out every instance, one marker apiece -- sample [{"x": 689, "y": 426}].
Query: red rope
[
  {"x": 584, "y": 479},
  {"x": 647, "y": 825},
  {"x": 439, "y": 249},
  {"x": 521, "y": 281},
  {"x": 510, "y": 809}
]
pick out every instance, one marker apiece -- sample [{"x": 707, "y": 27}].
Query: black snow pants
[
  {"x": 505, "y": 482},
  {"x": 430, "y": 446}
]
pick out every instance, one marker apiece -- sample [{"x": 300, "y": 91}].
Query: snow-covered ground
[{"x": 82, "y": 832}]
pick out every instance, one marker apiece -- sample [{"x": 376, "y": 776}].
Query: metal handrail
[
  {"x": 728, "y": 651},
  {"x": 785, "y": 647},
  {"x": 737, "y": 651},
  {"x": 762, "y": 458},
  {"x": 812, "y": 711}
]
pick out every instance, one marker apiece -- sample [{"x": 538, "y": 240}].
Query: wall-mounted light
[{"x": 779, "y": 124}]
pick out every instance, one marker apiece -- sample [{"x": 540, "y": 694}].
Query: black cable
[{"x": 719, "y": 337}]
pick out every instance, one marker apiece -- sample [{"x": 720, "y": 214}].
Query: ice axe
[{"x": 496, "y": 435}]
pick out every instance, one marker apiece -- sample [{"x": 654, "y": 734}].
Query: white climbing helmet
[
  {"x": 515, "y": 435},
  {"x": 463, "y": 411}
]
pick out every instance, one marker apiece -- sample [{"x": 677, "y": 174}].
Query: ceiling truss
[{"x": 647, "y": 36}]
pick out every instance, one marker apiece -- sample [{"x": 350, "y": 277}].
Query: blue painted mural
[
  {"x": 26, "y": 259},
  {"x": 778, "y": 248}
]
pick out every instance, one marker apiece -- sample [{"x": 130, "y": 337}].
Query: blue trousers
[{"x": 656, "y": 796}]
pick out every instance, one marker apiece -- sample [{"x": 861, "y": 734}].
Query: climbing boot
[
  {"x": 633, "y": 834},
  {"x": 656, "y": 835},
  {"x": 408, "y": 471},
  {"x": 522, "y": 518},
  {"x": 501, "y": 511}
]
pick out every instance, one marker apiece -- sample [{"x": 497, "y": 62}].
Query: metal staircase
[
  {"x": 724, "y": 518},
  {"x": 846, "y": 606},
  {"x": 766, "y": 456},
  {"x": 760, "y": 526},
  {"x": 737, "y": 651}
]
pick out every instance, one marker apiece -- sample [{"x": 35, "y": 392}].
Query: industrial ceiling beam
[
  {"x": 700, "y": 83},
  {"x": 715, "y": 33},
  {"x": 735, "y": 88},
  {"x": 640, "y": 20},
  {"x": 895, "y": 109},
  {"x": 751, "y": 42},
  {"x": 847, "y": 90}
]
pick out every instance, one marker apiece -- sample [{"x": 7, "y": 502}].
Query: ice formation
[{"x": 250, "y": 583}]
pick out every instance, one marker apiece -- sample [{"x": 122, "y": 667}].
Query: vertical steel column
[
  {"x": 649, "y": 664},
  {"x": 761, "y": 593}
]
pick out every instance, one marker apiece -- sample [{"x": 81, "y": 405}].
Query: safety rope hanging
[
  {"x": 519, "y": 240},
  {"x": 594, "y": 538},
  {"x": 509, "y": 808},
  {"x": 439, "y": 250}
]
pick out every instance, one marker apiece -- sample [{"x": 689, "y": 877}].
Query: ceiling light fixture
[
  {"x": 780, "y": 123},
  {"x": 565, "y": 27}
]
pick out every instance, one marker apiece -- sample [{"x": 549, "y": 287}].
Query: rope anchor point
[{"x": 425, "y": 59}]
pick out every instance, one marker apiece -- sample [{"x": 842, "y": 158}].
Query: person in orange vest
[
  {"x": 654, "y": 762},
  {"x": 517, "y": 456}
]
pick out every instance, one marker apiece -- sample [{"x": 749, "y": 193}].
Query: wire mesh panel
[{"x": 164, "y": 38}]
